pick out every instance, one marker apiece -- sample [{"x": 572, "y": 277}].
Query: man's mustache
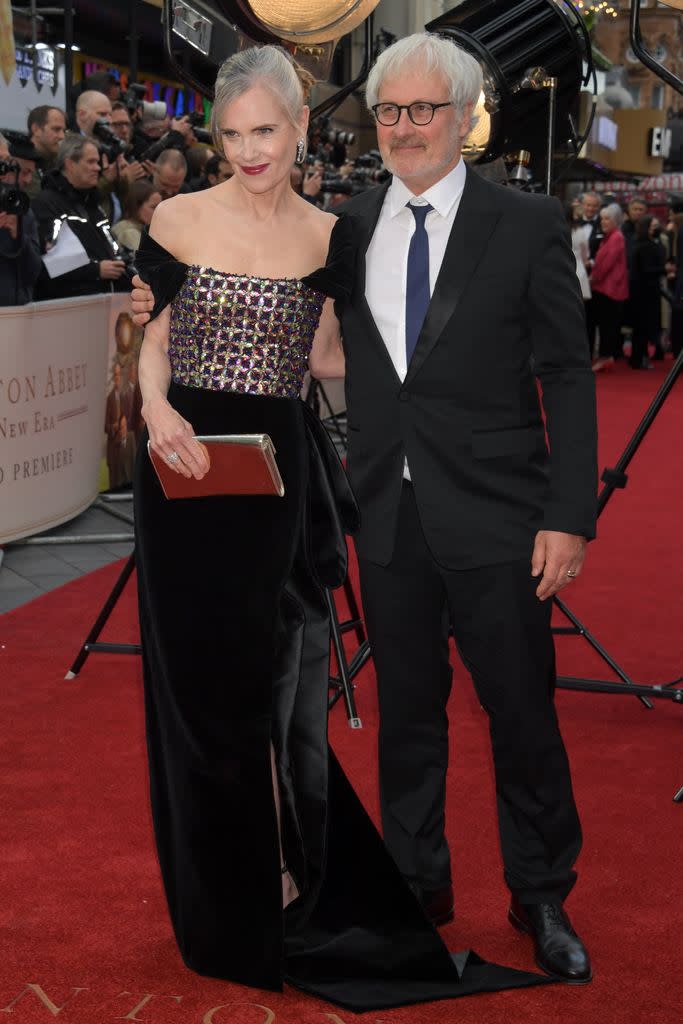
[{"x": 406, "y": 144}]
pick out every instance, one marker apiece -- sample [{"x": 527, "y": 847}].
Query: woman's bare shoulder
[{"x": 170, "y": 218}]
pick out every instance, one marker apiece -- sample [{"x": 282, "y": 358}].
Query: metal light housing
[{"x": 512, "y": 39}]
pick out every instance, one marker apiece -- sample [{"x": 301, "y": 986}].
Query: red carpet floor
[{"x": 84, "y": 936}]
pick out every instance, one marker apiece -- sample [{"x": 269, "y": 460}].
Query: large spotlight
[
  {"x": 310, "y": 29},
  {"x": 523, "y": 46}
]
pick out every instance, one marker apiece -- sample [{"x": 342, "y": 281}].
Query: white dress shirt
[{"x": 386, "y": 261}]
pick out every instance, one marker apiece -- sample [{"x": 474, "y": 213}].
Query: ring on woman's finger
[
  {"x": 172, "y": 457},
  {"x": 571, "y": 573}
]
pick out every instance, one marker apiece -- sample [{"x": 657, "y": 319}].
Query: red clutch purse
[{"x": 239, "y": 464}]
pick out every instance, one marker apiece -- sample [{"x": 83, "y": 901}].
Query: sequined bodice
[{"x": 253, "y": 335}]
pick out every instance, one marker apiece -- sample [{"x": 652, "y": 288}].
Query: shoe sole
[{"x": 521, "y": 927}]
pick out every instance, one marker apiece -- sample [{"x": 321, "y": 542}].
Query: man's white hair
[{"x": 429, "y": 52}]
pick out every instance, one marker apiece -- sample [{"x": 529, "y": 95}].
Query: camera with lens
[
  {"x": 196, "y": 119},
  {"x": 109, "y": 142},
  {"x": 323, "y": 129},
  {"x": 170, "y": 140},
  {"x": 12, "y": 200},
  {"x": 136, "y": 104},
  {"x": 341, "y": 186}
]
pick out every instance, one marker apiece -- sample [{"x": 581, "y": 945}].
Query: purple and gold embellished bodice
[{"x": 253, "y": 335}]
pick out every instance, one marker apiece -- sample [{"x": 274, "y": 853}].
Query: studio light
[
  {"x": 309, "y": 29},
  {"x": 306, "y": 21},
  {"x": 523, "y": 46}
]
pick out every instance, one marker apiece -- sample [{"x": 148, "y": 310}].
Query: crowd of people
[{"x": 630, "y": 267}]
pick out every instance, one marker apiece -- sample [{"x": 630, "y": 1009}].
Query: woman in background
[
  {"x": 609, "y": 284},
  {"x": 140, "y": 203}
]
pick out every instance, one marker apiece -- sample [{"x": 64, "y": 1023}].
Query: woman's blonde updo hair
[{"x": 269, "y": 66}]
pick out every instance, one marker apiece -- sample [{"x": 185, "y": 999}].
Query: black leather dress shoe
[
  {"x": 437, "y": 904},
  {"x": 558, "y": 949}
]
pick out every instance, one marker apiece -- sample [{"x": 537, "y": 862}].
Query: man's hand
[
  {"x": 182, "y": 125},
  {"x": 132, "y": 171},
  {"x": 142, "y": 300},
  {"x": 8, "y": 222},
  {"x": 111, "y": 270},
  {"x": 312, "y": 183},
  {"x": 557, "y": 559}
]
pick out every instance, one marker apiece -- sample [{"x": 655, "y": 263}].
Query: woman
[
  {"x": 581, "y": 245},
  {"x": 647, "y": 271},
  {"x": 253, "y": 815},
  {"x": 141, "y": 202},
  {"x": 609, "y": 284}
]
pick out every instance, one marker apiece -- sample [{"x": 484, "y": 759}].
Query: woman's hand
[
  {"x": 172, "y": 436},
  {"x": 142, "y": 301}
]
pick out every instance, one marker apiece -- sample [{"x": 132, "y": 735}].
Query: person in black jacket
[
  {"x": 647, "y": 271},
  {"x": 20, "y": 260},
  {"x": 69, "y": 196}
]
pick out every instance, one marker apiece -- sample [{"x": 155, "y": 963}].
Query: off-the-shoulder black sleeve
[
  {"x": 161, "y": 270},
  {"x": 335, "y": 279}
]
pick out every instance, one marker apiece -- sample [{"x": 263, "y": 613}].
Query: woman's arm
[
  {"x": 327, "y": 355},
  {"x": 169, "y": 433}
]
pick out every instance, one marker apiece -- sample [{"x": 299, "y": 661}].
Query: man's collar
[{"x": 441, "y": 196}]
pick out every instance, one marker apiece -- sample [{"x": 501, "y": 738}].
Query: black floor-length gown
[{"x": 235, "y": 656}]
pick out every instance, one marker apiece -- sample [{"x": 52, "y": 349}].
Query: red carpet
[{"x": 84, "y": 934}]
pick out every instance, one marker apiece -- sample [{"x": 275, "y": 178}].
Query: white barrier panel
[{"x": 53, "y": 371}]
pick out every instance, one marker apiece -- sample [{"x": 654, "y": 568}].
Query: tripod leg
[
  {"x": 344, "y": 685},
  {"x": 354, "y": 610},
  {"x": 582, "y": 631},
  {"x": 332, "y": 415},
  {"x": 102, "y": 617}
]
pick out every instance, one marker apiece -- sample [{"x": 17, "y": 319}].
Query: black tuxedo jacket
[{"x": 506, "y": 311}]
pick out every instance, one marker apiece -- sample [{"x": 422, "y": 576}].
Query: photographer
[
  {"x": 169, "y": 175},
  {"x": 121, "y": 123},
  {"x": 94, "y": 116},
  {"x": 46, "y": 127},
  {"x": 70, "y": 196},
  {"x": 216, "y": 170},
  {"x": 20, "y": 262}
]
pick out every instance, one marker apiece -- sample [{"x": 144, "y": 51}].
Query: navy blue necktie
[{"x": 417, "y": 279}]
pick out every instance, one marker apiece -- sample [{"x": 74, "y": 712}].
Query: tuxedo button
[{"x": 404, "y": 396}]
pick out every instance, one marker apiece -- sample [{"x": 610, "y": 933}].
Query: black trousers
[
  {"x": 608, "y": 316},
  {"x": 503, "y": 635}
]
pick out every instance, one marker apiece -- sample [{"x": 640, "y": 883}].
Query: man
[
  {"x": 169, "y": 175},
  {"x": 466, "y": 516},
  {"x": 120, "y": 122},
  {"x": 216, "y": 170},
  {"x": 92, "y": 107},
  {"x": 70, "y": 197},
  {"x": 20, "y": 259},
  {"x": 592, "y": 204},
  {"x": 47, "y": 127}
]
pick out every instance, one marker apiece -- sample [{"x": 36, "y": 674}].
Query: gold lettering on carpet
[
  {"x": 210, "y": 1018},
  {"x": 44, "y": 999},
  {"x": 131, "y": 1015}
]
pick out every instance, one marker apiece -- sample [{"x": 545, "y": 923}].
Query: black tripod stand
[
  {"x": 613, "y": 479},
  {"x": 341, "y": 685}
]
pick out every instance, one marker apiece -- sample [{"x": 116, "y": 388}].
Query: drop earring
[{"x": 300, "y": 151}]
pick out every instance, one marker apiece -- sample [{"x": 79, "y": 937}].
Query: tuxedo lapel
[{"x": 474, "y": 224}]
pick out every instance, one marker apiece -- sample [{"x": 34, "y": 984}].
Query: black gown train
[{"x": 235, "y": 643}]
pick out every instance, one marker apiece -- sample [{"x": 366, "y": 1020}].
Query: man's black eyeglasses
[{"x": 420, "y": 113}]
